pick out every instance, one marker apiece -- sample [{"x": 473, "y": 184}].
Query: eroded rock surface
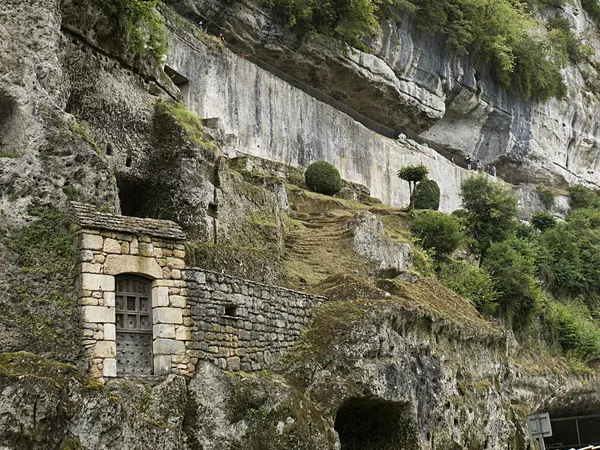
[{"x": 414, "y": 80}]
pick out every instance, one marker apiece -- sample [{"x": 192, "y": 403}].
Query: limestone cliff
[
  {"x": 85, "y": 117},
  {"x": 412, "y": 79}
]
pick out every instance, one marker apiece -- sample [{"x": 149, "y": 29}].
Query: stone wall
[{"x": 243, "y": 325}]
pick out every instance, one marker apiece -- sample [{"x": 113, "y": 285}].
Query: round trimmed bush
[
  {"x": 426, "y": 195},
  {"x": 323, "y": 178}
]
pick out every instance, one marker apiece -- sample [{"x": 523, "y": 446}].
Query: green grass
[{"x": 189, "y": 121}]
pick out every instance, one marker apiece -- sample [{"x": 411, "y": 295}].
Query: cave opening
[
  {"x": 178, "y": 80},
  {"x": 7, "y": 113},
  {"x": 375, "y": 424},
  {"x": 145, "y": 198}
]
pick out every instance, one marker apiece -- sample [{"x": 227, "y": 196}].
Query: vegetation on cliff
[
  {"x": 522, "y": 53},
  {"x": 43, "y": 308},
  {"x": 141, "y": 26},
  {"x": 547, "y": 272}
]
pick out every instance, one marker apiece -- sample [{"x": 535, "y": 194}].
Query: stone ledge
[{"x": 120, "y": 264}]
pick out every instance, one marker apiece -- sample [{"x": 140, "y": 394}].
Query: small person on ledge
[
  {"x": 401, "y": 136},
  {"x": 468, "y": 160}
]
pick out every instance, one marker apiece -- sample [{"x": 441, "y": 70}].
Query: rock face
[
  {"x": 80, "y": 119},
  {"x": 372, "y": 243},
  {"x": 257, "y": 113},
  {"x": 414, "y": 80}
]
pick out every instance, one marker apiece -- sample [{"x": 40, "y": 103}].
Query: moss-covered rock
[
  {"x": 41, "y": 314},
  {"x": 243, "y": 411},
  {"x": 46, "y": 404}
]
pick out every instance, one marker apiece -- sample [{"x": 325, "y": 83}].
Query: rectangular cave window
[
  {"x": 178, "y": 80},
  {"x": 213, "y": 210},
  {"x": 231, "y": 311}
]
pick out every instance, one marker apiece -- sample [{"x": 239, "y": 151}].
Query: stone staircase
[{"x": 320, "y": 247}]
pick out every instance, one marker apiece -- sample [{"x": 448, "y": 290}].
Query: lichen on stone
[{"x": 43, "y": 310}]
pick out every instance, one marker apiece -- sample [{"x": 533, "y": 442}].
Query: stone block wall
[
  {"x": 106, "y": 254},
  {"x": 243, "y": 325}
]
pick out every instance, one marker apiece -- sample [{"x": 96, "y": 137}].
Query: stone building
[
  {"x": 145, "y": 313},
  {"x": 135, "y": 316}
]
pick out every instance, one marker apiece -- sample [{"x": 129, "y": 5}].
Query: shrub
[
  {"x": 426, "y": 195},
  {"x": 437, "y": 231},
  {"x": 423, "y": 264},
  {"x": 546, "y": 196},
  {"x": 141, "y": 25},
  {"x": 413, "y": 174},
  {"x": 543, "y": 220},
  {"x": 460, "y": 214},
  {"x": 571, "y": 264},
  {"x": 511, "y": 264},
  {"x": 323, "y": 178},
  {"x": 583, "y": 197},
  {"x": 491, "y": 211},
  {"x": 525, "y": 231},
  {"x": 574, "y": 329},
  {"x": 472, "y": 283}
]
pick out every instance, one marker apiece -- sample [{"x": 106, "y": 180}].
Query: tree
[
  {"x": 570, "y": 265},
  {"x": 491, "y": 211},
  {"x": 511, "y": 264},
  {"x": 413, "y": 174},
  {"x": 583, "y": 197},
  {"x": 543, "y": 220},
  {"x": 426, "y": 195},
  {"x": 437, "y": 231}
]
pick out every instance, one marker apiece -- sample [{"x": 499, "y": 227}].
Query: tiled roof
[{"x": 88, "y": 216}]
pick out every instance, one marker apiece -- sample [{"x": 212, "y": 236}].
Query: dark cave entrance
[
  {"x": 374, "y": 424},
  {"x": 7, "y": 112},
  {"x": 140, "y": 197}
]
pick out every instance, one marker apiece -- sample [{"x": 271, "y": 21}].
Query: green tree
[
  {"x": 426, "y": 195},
  {"x": 543, "y": 220},
  {"x": 570, "y": 264},
  {"x": 472, "y": 283},
  {"x": 583, "y": 197},
  {"x": 413, "y": 174},
  {"x": 437, "y": 231},
  {"x": 511, "y": 264},
  {"x": 491, "y": 211}
]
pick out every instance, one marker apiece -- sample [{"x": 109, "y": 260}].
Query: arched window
[{"x": 134, "y": 325}]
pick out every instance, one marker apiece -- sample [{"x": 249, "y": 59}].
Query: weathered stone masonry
[
  {"x": 243, "y": 325},
  {"x": 112, "y": 245},
  {"x": 195, "y": 314}
]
